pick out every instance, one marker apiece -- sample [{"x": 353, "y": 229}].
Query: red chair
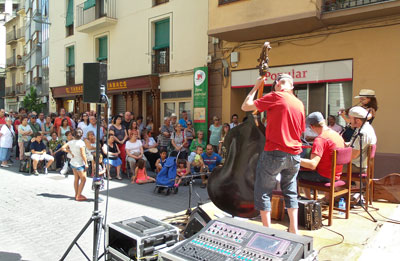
[
  {"x": 368, "y": 176},
  {"x": 339, "y": 157}
]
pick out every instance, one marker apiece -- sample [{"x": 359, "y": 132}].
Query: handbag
[{"x": 14, "y": 143}]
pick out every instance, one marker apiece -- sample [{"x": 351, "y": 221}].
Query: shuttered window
[
  {"x": 89, "y": 4},
  {"x": 70, "y": 13},
  {"x": 71, "y": 56},
  {"x": 102, "y": 49},
  {"x": 161, "y": 34}
]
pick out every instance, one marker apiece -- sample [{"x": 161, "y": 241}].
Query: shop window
[
  {"x": 102, "y": 52},
  {"x": 69, "y": 21},
  {"x": 177, "y": 107},
  {"x": 169, "y": 108}
]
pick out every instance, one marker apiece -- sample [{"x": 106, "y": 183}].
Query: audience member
[
  {"x": 120, "y": 136},
  {"x": 215, "y": 135},
  {"x": 183, "y": 121},
  {"x": 38, "y": 153},
  {"x": 7, "y": 137},
  {"x": 150, "y": 149},
  {"x": 141, "y": 176},
  {"x": 211, "y": 160},
  {"x": 112, "y": 152},
  {"x": 165, "y": 135},
  {"x": 134, "y": 152},
  {"x": 234, "y": 121},
  {"x": 333, "y": 125},
  {"x": 24, "y": 136}
]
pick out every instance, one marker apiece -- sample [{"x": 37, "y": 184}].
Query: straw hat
[{"x": 366, "y": 93}]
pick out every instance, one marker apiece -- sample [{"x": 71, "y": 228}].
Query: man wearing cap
[
  {"x": 320, "y": 163},
  {"x": 286, "y": 123},
  {"x": 173, "y": 119},
  {"x": 357, "y": 116}
]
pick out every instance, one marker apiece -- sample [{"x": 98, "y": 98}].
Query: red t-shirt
[
  {"x": 58, "y": 120},
  {"x": 285, "y": 121},
  {"x": 323, "y": 146},
  {"x": 3, "y": 120}
]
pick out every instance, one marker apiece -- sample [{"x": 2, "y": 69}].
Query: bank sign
[
  {"x": 200, "y": 100},
  {"x": 334, "y": 71}
]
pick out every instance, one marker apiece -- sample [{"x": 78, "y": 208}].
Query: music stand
[
  {"x": 96, "y": 217},
  {"x": 360, "y": 199}
]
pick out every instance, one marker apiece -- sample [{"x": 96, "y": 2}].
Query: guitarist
[{"x": 281, "y": 155}]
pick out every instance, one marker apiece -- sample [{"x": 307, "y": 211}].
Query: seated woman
[
  {"x": 150, "y": 148},
  {"x": 141, "y": 176},
  {"x": 179, "y": 142},
  {"x": 55, "y": 145},
  {"x": 134, "y": 152},
  {"x": 111, "y": 150},
  {"x": 38, "y": 150}
]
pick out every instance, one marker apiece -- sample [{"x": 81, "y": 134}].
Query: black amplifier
[
  {"x": 231, "y": 239},
  {"x": 139, "y": 239},
  {"x": 310, "y": 216}
]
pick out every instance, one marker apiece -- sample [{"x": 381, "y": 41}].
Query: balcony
[
  {"x": 20, "y": 62},
  {"x": 20, "y": 89},
  {"x": 239, "y": 21},
  {"x": 347, "y": 11},
  {"x": 10, "y": 91},
  {"x": 21, "y": 33},
  {"x": 99, "y": 14},
  {"x": 11, "y": 62},
  {"x": 160, "y": 61},
  {"x": 11, "y": 37}
]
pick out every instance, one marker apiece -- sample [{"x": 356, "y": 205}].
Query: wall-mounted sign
[{"x": 200, "y": 100}]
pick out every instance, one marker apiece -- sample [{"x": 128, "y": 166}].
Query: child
[
  {"x": 161, "y": 161},
  {"x": 181, "y": 171},
  {"x": 141, "y": 173},
  {"x": 64, "y": 170},
  {"x": 102, "y": 170},
  {"x": 197, "y": 160}
]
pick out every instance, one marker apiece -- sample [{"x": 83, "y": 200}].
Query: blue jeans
[
  {"x": 4, "y": 154},
  {"x": 270, "y": 164}
]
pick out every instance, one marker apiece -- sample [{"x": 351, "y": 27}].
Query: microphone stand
[{"x": 360, "y": 199}]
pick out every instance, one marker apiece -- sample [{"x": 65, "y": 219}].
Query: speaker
[
  {"x": 94, "y": 77},
  {"x": 197, "y": 220}
]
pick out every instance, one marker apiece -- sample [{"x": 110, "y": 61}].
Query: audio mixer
[{"x": 231, "y": 239}]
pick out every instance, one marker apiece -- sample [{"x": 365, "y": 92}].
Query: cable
[
  {"x": 394, "y": 221},
  {"x": 331, "y": 245}
]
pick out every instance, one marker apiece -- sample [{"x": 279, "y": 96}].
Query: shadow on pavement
[
  {"x": 146, "y": 195},
  {"x": 7, "y": 256},
  {"x": 48, "y": 195}
]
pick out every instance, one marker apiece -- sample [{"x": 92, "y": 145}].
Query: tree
[{"x": 32, "y": 102}]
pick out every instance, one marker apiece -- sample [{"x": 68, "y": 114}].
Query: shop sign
[
  {"x": 200, "y": 99},
  {"x": 335, "y": 71}
]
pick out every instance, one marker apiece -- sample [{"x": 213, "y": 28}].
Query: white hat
[
  {"x": 173, "y": 115},
  {"x": 365, "y": 93},
  {"x": 358, "y": 112}
]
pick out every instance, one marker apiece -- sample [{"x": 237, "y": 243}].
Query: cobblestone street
[{"x": 39, "y": 216}]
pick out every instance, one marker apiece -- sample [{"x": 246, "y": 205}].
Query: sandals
[{"x": 81, "y": 198}]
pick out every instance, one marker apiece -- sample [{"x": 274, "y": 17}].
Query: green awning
[
  {"x": 71, "y": 56},
  {"x": 103, "y": 54},
  {"x": 89, "y": 4},
  {"x": 161, "y": 34},
  {"x": 70, "y": 13}
]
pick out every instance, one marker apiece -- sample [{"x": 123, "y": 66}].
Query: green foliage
[{"x": 32, "y": 102}]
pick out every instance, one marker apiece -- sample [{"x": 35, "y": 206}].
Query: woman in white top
[
  {"x": 7, "y": 136},
  {"x": 150, "y": 148},
  {"x": 134, "y": 151},
  {"x": 24, "y": 136},
  {"x": 79, "y": 164}
]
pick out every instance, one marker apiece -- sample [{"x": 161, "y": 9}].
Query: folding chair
[{"x": 339, "y": 157}]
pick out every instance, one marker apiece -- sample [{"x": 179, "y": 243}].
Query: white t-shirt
[
  {"x": 75, "y": 147},
  {"x": 133, "y": 147},
  {"x": 6, "y": 140},
  {"x": 368, "y": 138}
]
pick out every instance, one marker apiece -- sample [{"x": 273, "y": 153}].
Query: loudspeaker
[
  {"x": 94, "y": 78},
  {"x": 198, "y": 219}
]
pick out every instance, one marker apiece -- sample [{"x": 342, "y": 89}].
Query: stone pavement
[{"x": 39, "y": 217}]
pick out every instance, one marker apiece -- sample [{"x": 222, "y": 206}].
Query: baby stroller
[{"x": 165, "y": 179}]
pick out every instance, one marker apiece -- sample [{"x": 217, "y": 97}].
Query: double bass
[{"x": 231, "y": 186}]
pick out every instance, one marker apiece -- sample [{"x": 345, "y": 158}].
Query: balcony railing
[
  {"x": 20, "y": 62},
  {"x": 11, "y": 62},
  {"x": 10, "y": 91},
  {"x": 11, "y": 36},
  {"x": 103, "y": 8},
  {"x": 21, "y": 32},
  {"x": 20, "y": 89},
  {"x": 333, "y": 5},
  {"x": 160, "y": 61}
]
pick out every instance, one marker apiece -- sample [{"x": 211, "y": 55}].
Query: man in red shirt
[
  {"x": 58, "y": 120},
  {"x": 320, "y": 162},
  {"x": 2, "y": 117},
  {"x": 286, "y": 123}
]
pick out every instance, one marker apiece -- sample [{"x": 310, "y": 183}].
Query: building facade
[
  {"x": 150, "y": 47},
  {"x": 333, "y": 49},
  {"x": 15, "y": 63}
]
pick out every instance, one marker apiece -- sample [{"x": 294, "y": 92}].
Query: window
[
  {"x": 102, "y": 49},
  {"x": 69, "y": 21},
  {"x": 177, "y": 107},
  {"x": 70, "y": 65},
  {"x": 159, "y": 2},
  {"x": 222, "y": 2},
  {"x": 160, "y": 61}
]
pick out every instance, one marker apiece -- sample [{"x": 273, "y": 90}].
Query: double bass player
[{"x": 281, "y": 155}]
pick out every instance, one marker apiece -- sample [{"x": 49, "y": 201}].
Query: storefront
[
  {"x": 139, "y": 95},
  {"x": 324, "y": 86}
]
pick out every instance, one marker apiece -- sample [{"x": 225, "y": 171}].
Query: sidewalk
[{"x": 39, "y": 216}]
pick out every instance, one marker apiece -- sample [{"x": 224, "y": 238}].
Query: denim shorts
[
  {"x": 313, "y": 176},
  {"x": 270, "y": 164},
  {"x": 80, "y": 168}
]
